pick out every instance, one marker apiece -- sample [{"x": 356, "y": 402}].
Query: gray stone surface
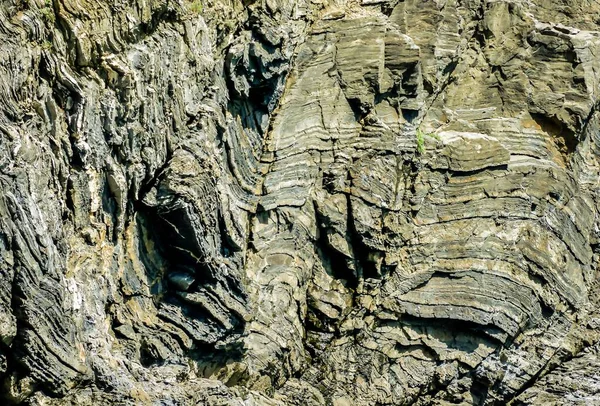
[{"x": 314, "y": 202}]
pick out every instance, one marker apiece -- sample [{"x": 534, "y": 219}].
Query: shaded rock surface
[{"x": 324, "y": 202}]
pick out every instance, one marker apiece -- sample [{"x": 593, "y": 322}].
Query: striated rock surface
[{"x": 314, "y": 202}]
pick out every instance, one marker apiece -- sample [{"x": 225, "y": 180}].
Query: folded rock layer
[{"x": 332, "y": 202}]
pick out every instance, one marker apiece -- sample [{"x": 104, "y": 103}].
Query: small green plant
[
  {"x": 46, "y": 45},
  {"x": 196, "y": 6},
  {"x": 48, "y": 12},
  {"x": 434, "y": 136},
  {"x": 421, "y": 140}
]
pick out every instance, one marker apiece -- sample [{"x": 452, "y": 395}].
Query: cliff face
[{"x": 299, "y": 202}]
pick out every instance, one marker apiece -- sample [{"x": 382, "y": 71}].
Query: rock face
[{"x": 316, "y": 202}]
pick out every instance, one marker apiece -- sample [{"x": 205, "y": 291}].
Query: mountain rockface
[{"x": 312, "y": 202}]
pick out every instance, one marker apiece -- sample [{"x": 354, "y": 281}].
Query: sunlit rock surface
[{"x": 311, "y": 202}]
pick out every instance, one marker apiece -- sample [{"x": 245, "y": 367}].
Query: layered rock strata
[{"x": 317, "y": 202}]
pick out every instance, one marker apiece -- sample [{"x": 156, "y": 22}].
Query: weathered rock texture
[{"x": 306, "y": 202}]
